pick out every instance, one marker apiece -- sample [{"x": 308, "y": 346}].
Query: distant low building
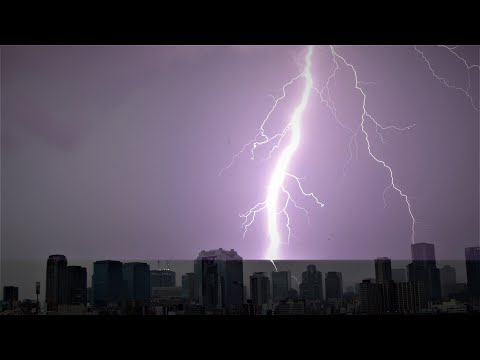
[
  {"x": 291, "y": 307},
  {"x": 10, "y": 296}
]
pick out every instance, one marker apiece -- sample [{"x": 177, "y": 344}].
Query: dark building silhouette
[
  {"x": 260, "y": 288},
  {"x": 370, "y": 298},
  {"x": 333, "y": 285},
  {"x": 399, "y": 275},
  {"x": 423, "y": 269},
  {"x": 56, "y": 290},
  {"x": 410, "y": 297},
  {"x": 219, "y": 279},
  {"x": 109, "y": 287},
  {"x": 472, "y": 262},
  {"x": 10, "y": 295},
  {"x": 163, "y": 278},
  {"x": 137, "y": 277},
  {"x": 188, "y": 286},
  {"x": 76, "y": 285},
  {"x": 377, "y": 298},
  {"x": 311, "y": 287},
  {"x": 281, "y": 283},
  {"x": 383, "y": 270},
  {"x": 90, "y": 296},
  {"x": 423, "y": 252},
  {"x": 448, "y": 281}
]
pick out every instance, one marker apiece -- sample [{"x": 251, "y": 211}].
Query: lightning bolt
[
  {"x": 289, "y": 137},
  {"x": 295, "y": 278},
  {"x": 366, "y": 116},
  {"x": 446, "y": 82}
]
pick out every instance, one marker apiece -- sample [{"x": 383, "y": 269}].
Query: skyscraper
[
  {"x": 423, "y": 269},
  {"x": 448, "y": 281},
  {"x": 333, "y": 285},
  {"x": 423, "y": 252},
  {"x": 260, "y": 288},
  {"x": 311, "y": 287},
  {"x": 370, "y": 298},
  {"x": 219, "y": 278},
  {"x": 188, "y": 286},
  {"x": 281, "y": 283},
  {"x": 137, "y": 276},
  {"x": 56, "y": 289},
  {"x": 76, "y": 285},
  {"x": 383, "y": 270},
  {"x": 472, "y": 262},
  {"x": 399, "y": 275},
  {"x": 410, "y": 297},
  {"x": 108, "y": 285}
]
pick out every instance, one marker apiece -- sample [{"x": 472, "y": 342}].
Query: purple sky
[{"x": 114, "y": 152}]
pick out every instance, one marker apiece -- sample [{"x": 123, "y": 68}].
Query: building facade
[
  {"x": 281, "y": 283},
  {"x": 311, "y": 287},
  {"x": 137, "y": 277},
  {"x": 333, "y": 286},
  {"x": 260, "y": 288},
  {"x": 109, "y": 287},
  {"x": 77, "y": 285},
  {"x": 56, "y": 290}
]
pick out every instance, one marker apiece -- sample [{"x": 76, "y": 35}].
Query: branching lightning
[
  {"x": 446, "y": 82},
  {"x": 288, "y": 138}
]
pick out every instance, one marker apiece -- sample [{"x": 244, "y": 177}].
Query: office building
[
  {"x": 423, "y": 269},
  {"x": 137, "y": 277},
  {"x": 56, "y": 289},
  {"x": 383, "y": 270},
  {"x": 333, "y": 286},
  {"x": 219, "y": 279},
  {"x": 188, "y": 286},
  {"x": 10, "y": 296},
  {"x": 260, "y": 288},
  {"x": 448, "y": 281},
  {"x": 281, "y": 283},
  {"x": 76, "y": 285},
  {"x": 472, "y": 262},
  {"x": 109, "y": 287},
  {"x": 311, "y": 287},
  {"x": 163, "y": 278}
]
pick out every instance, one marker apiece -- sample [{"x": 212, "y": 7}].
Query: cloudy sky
[{"x": 114, "y": 152}]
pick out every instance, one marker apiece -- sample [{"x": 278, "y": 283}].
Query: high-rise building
[
  {"x": 260, "y": 288},
  {"x": 370, "y": 298},
  {"x": 423, "y": 269},
  {"x": 281, "y": 283},
  {"x": 188, "y": 286},
  {"x": 311, "y": 287},
  {"x": 423, "y": 252},
  {"x": 76, "y": 285},
  {"x": 333, "y": 285},
  {"x": 219, "y": 278},
  {"x": 162, "y": 278},
  {"x": 472, "y": 262},
  {"x": 109, "y": 287},
  {"x": 383, "y": 270},
  {"x": 410, "y": 297},
  {"x": 448, "y": 280},
  {"x": 56, "y": 289},
  {"x": 10, "y": 295},
  {"x": 377, "y": 298},
  {"x": 399, "y": 275},
  {"x": 137, "y": 276}
]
